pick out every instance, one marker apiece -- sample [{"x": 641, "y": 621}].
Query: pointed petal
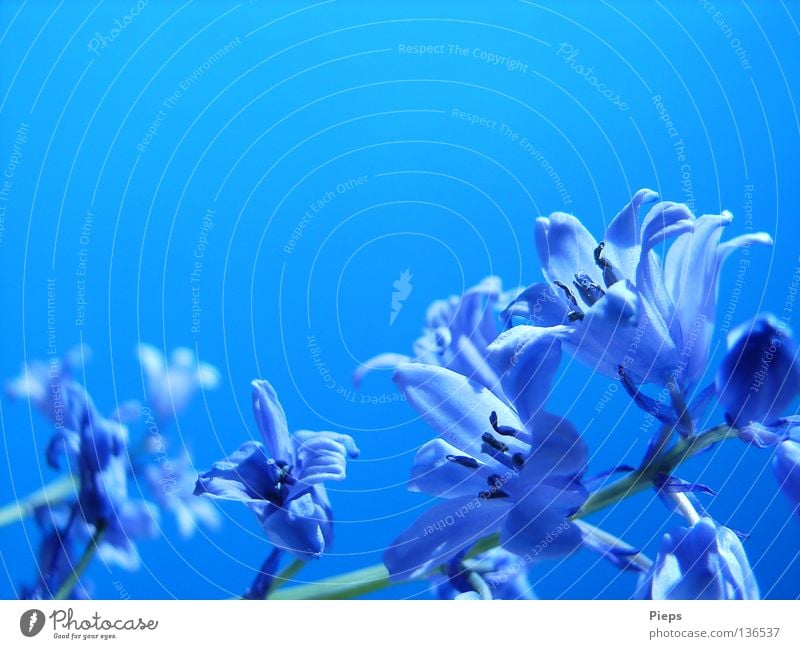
[
  {"x": 298, "y": 527},
  {"x": 566, "y": 248},
  {"x": 438, "y": 472},
  {"x": 272, "y": 421},
  {"x": 539, "y": 304},
  {"x": 538, "y": 531},
  {"x": 442, "y": 532},
  {"x": 387, "y": 361},
  {"x": 455, "y": 406},
  {"x": 623, "y": 240},
  {"x": 247, "y": 475},
  {"x": 527, "y": 359}
]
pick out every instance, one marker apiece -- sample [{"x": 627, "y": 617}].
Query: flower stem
[
  {"x": 88, "y": 554},
  {"x": 346, "y": 586},
  {"x": 665, "y": 464},
  {"x": 286, "y": 574},
  {"x": 375, "y": 578},
  {"x": 49, "y": 494}
]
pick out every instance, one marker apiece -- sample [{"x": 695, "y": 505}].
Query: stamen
[
  {"x": 590, "y": 292},
  {"x": 495, "y": 481},
  {"x": 494, "y": 443},
  {"x": 575, "y": 313},
  {"x": 518, "y": 459},
  {"x": 491, "y": 495},
  {"x": 463, "y": 460},
  {"x": 508, "y": 431},
  {"x": 570, "y": 295},
  {"x": 610, "y": 275}
]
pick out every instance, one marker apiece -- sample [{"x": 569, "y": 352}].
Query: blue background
[{"x": 310, "y": 96}]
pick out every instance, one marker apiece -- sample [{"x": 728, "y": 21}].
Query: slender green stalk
[
  {"x": 80, "y": 568},
  {"x": 346, "y": 586},
  {"x": 374, "y": 578},
  {"x": 49, "y": 494},
  {"x": 286, "y": 574},
  {"x": 639, "y": 559},
  {"x": 664, "y": 465}
]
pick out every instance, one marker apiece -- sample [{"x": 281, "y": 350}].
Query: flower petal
[
  {"x": 299, "y": 526},
  {"x": 566, "y": 248},
  {"x": 247, "y": 475},
  {"x": 438, "y": 472},
  {"x": 441, "y": 533},
  {"x": 323, "y": 455},
  {"x": 527, "y": 359},
  {"x": 272, "y": 421},
  {"x": 623, "y": 236},
  {"x": 387, "y": 361},
  {"x": 456, "y": 407},
  {"x": 539, "y": 304}
]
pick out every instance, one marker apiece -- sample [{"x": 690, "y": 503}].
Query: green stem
[
  {"x": 374, "y": 578},
  {"x": 664, "y": 465},
  {"x": 346, "y": 586},
  {"x": 286, "y": 574},
  {"x": 80, "y": 568},
  {"x": 49, "y": 494}
]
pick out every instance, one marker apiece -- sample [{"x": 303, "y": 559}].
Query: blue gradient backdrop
[{"x": 306, "y": 98}]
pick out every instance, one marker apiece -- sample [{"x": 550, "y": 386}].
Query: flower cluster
[
  {"x": 508, "y": 475},
  {"x": 512, "y": 472}
]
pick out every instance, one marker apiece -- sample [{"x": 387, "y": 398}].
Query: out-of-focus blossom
[
  {"x": 57, "y": 555},
  {"x": 456, "y": 334},
  {"x": 41, "y": 383},
  {"x": 172, "y": 382},
  {"x": 172, "y": 481},
  {"x": 759, "y": 376},
  {"x": 98, "y": 455},
  {"x": 702, "y": 561},
  {"x": 282, "y": 479}
]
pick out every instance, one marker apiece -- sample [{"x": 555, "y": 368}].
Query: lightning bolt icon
[{"x": 32, "y": 621}]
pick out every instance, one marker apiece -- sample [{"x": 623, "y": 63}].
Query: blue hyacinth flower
[
  {"x": 282, "y": 479},
  {"x": 173, "y": 380},
  {"x": 703, "y": 561},
  {"x": 97, "y": 454},
  {"x": 616, "y": 305},
  {"x": 172, "y": 481},
  {"x": 501, "y": 575},
  {"x": 42, "y": 384},
  {"x": 57, "y": 555},
  {"x": 759, "y": 376},
  {"x": 456, "y": 334},
  {"x": 495, "y": 475}
]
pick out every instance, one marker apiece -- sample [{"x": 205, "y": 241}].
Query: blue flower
[
  {"x": 457, "y": 332},
  {"x": 495, "y": 474},
  {"x": 703, "y": 561},
  {"x": 172, "y": 481},
  {"x": 41, "y": 383},
  {"x": 97, "y": 452},
  {"x": 505, "y": 576},
  {"x": 786, "y": 466},
  {"x": 282, "y": 478},
  {"x": 173, "y": 381},
  {"x": 616, "y": 306},
  {"x": 759, "y": 376},
  {"x": 57, "y": 555}
]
